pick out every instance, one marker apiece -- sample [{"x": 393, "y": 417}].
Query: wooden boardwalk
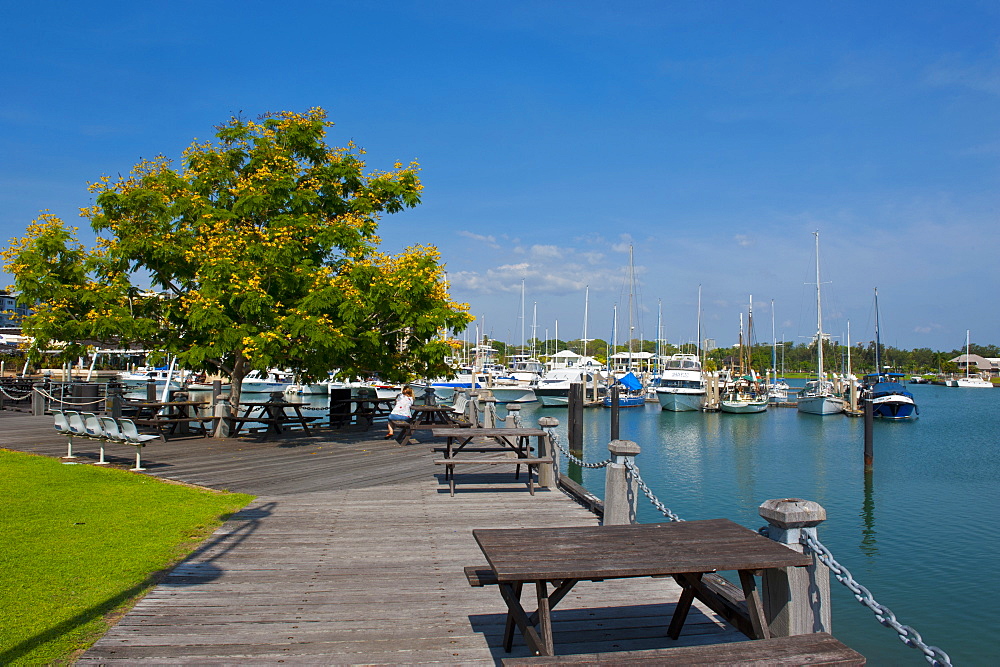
[{"x": 353, "y": 553}]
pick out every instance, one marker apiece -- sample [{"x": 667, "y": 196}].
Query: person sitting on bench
[{"x": 401, "y": 411}]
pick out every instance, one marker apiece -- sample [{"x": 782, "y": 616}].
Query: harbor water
[{"x": 919, "y": 531}]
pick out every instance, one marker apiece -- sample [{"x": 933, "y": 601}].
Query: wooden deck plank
[{"x": 353, "y": 553}]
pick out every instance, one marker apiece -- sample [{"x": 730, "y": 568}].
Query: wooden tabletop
[
  {"x": 457, "y": 432},
  {"x": 605, "y": 552}
]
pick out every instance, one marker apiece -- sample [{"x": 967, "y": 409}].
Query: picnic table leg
[
  {"x": 508, "y": 630},
  {"x": 754, "y": 605},
  {"x": 516, "y": 611},
  {"x": 544, "y": 617},
  {"x": 683, "y": 603}
]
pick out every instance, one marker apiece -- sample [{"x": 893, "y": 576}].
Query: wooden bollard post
[
  {"x": 869, "y": 434},
  {"x": 151, "y": 390},
  {"x": 619, "y": 488},
  {"x": 489, "y": 402},
  {"x": 548, "y": 473},
  {"x": 574, "y": 417},
  {"x": 615, "y": 412},
  {"x": 796, "y": 599},
  {"x": 513, "y": 418}
]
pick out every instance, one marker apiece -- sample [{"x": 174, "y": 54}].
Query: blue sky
[{"x": 712, "y": 137}]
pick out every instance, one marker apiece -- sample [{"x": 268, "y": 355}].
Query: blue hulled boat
[
  {"x": 888, "y": 396},
  {"x": 885, "y": 391}
]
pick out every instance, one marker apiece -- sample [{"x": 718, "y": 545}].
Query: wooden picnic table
[
  {"x": 171, "y": 417},
  {"x": 426, "y": 417},
  {"x": 563, "y": 557},
  {"x": 515, "y": 440},
  {"x": 273, "y": 415},
  {"x": 357, "y": 410}
]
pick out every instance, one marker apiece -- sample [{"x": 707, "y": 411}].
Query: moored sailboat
[
  {"x": 745, "y": 394},
  {"x": 818, "y": 397}
]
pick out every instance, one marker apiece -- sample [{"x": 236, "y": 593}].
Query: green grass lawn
[{"x": 79, "y": 543}]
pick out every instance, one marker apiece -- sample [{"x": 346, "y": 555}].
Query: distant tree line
[{"x": 793, "y": 357}]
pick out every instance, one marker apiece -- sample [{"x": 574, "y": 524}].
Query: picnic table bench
[
  {"x": 172, "y": 418},
  {"x": 811, "y": 649},
  {"x": 427, "y": 417},
  {"x": 359, "y": 410},
  {"x": 273, "y": 418},
  {"x": 516, "y": 442}
]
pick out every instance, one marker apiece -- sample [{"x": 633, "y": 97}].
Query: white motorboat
[
  {"x": 682, "y": 385},
  {"x": 257, "y": 382},
  {"x": 138, "y": 379},
  {"x": 552, "y": 389}
]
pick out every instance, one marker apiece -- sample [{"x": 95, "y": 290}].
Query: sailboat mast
[
  {"x": 878, "y": 338},
  {"x": 774, "y": 343},
  {"x": 631, "y": 287},
  {"x": 819, "y": 317},
  {"x": 966, "y": 353},
  {"x": 586, "y": 308},
  {"x": 700, "y": 360},
  {"x": 522, "y": 315}
]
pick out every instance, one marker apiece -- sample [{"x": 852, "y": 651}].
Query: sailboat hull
[
  {"x": 821, "y": 405},
  {"x": 743, "y": 407}
]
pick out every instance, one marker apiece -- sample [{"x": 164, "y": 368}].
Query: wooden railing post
[
  {"x": 489, "y": 402},
  {"x": 549, "y": 473},
  {"x": 796, "y": 599},
  {"x": 619, "y": 489}
]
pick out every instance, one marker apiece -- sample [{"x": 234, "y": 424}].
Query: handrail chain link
[
  {"x": 883, "y": 614},
  {"x": 663, "y": 509},
  {"x": 15, "y": 398},
  {"x": 583, "y": 464},
  {"x": 52, "y": 398}
]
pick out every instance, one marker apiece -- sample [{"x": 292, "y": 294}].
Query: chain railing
[
  {"x": 62, "y": 401},
  {"x": 883, "y": 614},
  {"x": 634, "y": 472},
  {"x": 580, "y": 462},
  {"x": 23, "y": 396}
]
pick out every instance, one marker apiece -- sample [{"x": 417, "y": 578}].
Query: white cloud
[
  {"x": 491, "y": 241},
  {"x": 546, "y": 251}
]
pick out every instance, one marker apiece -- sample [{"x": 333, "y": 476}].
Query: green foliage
[
  {"x": 262, "y": 247},
  {"x": 80, "y": 542}
]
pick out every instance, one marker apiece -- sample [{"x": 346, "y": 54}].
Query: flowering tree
[{"x": 262, "y": 251}]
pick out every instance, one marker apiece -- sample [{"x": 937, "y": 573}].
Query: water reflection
[{"x": 868, "y": 542}]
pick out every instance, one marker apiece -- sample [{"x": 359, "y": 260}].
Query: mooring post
[
  {"x": 615, "y": 409},
  {"x": 869, "y": 433},
  {"x": 796, "y": 599},
  {"x": 548, "y": 424},
  {"x": 619, "y": 487},
  {"x": 574, "y": 417},
  {"x": 151, "y": 390}
]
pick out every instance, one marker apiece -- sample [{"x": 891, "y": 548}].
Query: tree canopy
[{"x": 261, "y": 251}]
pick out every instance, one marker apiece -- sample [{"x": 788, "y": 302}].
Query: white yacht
[
  {"x": 682, "y": 385},
  {"x": 257, "y": 382},
  {"x": 552, "y": 389}
]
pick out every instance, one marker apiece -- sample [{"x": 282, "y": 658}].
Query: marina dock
[{"x": 353, "y": 552}]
